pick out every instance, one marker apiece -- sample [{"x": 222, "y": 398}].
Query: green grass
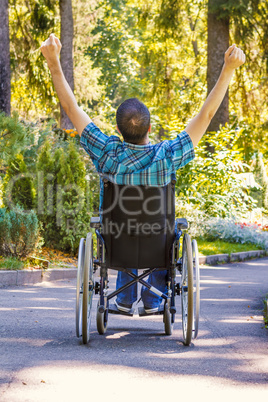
[
  {"x": 222, "y": 247},
  {"x": 11, "y": 263}
]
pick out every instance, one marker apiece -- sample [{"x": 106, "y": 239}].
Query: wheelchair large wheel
[
  {"x": 79, "y": 287},
  {"x": 187, "y": 290},
  {"x": 88, "y": 289},
  {"x": 196, "y": 284}
]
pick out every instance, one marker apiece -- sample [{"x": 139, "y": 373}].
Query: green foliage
[
  {"x": 62, "y": 202},
  {"x": 140, "y": 54},
  {"x": 11, "y": 263},
  {"x": 212, "y": 182},
  {"x": 31, "y": 22},
  {"x": 12, "y": 136},
  {"x": 18, "y": 186},
  {"x": 195, "y": 216},
  {"x": 19, "y": 232},
  {"x": 262, "y": 179}
]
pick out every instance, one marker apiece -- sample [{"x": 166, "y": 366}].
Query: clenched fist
[
  {"x": 51, "y": 49},
  {"x": 234, "y": 57}
]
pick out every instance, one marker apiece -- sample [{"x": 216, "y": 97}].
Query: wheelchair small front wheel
[
  {"x": 88, "y": 289},
  {"x": 196, "y": 285},
  {"x": 102, "y": 320},
  {"x": 187, "y": 290},
  {"x": 168, "y": 319},
  {"x": 79, "y": 287}
]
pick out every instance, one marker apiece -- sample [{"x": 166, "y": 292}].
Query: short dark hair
[{"x": 133, "y": 120}]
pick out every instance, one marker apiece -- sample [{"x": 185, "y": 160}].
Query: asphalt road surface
[{"x": 42, "y": 360}]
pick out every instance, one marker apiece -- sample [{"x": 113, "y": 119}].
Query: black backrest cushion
[{"x": 138, "y": 224}]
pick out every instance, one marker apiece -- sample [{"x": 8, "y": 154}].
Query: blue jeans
[{"x": 129, "y": 295}]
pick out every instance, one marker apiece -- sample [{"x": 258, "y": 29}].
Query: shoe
[
  {"x": 126, "y": 308},
  {"x": 149, "y": 310}
]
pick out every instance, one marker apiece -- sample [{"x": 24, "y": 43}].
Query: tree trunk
[
  {"x": 66, "y": 37},
  {"x": 5, "y": 87},
  {"x": 218, "y": 43}
]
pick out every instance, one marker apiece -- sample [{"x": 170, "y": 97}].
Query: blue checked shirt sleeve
[
  {"x": 182, "y": 150},
  {"x": 93, "y": 141}
]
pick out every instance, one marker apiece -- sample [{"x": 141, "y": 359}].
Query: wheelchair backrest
[{"x": 138, "y": 225}]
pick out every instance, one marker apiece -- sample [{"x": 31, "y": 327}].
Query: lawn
[
  {"x": 221, "y": 247},
  {"x": 59, "y": 259}
]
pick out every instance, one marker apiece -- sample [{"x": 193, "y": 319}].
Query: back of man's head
[{"x": 133, "y": 120}]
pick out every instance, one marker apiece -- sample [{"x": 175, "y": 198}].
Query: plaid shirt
[{"x": 131, "y": 164}]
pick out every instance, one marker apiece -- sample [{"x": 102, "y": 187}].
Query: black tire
[
  {"x": 79, "y": 287},
  {"x": 196, "y": 285},
  {"x": 88, "y": 289},
  {"x": 168, "y": 320},
  {"x": 102, "y": 321},
  {"x": 187, "y": 291}
]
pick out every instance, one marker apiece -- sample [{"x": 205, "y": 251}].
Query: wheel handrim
[
  {"x": 187, "y": 290},
  {"x": 196, "y": 278},
  {"x": 79, "y": 287},
  {"x": 88, "y": 290}
]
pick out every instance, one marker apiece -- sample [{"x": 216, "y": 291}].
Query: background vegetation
[{"x": 160, "y": 51}]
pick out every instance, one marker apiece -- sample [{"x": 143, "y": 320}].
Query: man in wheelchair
[{"x": 137, "y": 226}]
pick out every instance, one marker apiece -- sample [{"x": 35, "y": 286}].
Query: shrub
[
  {"x": 12, "y": 135},
  {"x": 18, "y": 186},
  {"x": 233, "y": 232},
  {"x": 211, "y": 182},
  {"x": 261, "y": 195},
  {"x": 19, "y": 232},
  {"x": 61, "y": 194},
  {"x": 195, "y": 217}
]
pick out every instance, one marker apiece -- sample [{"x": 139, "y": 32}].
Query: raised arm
[
  {"x": 51, "y": 50},
  {"x": 234, "y": 57}
]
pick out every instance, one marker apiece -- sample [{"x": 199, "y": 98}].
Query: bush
[
  {"x": 261, "y": 194},
  {"x": 18, "y": 186},
  {"x": 211, "y": 182},
  {"x": 233, "y": 232},
  {"x": 61, "y": 194},
  {"x": 19, "y": 232},
  {"x": 195, "y": 217},
  {"x": 12, "y": 136}
]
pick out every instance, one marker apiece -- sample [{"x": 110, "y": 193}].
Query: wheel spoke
[
  {"x": 187, "y": 290},
  {"x": 88, "y": 289},
  {"x": 79, "y": 287}
]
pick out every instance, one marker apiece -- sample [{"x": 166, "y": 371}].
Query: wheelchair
[{"x": 154, "y": 241}]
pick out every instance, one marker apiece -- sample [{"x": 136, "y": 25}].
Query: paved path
[{"x": 42, "y": 360}]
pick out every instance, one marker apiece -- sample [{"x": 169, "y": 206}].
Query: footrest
[
  {"x": 114, "y": 310},
  {"x": 142, "y": 312}
]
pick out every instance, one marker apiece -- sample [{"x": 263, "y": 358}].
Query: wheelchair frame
[{"x": 185, "y": 263}]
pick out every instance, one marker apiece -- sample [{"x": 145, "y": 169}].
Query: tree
[
  {"x": 142, "y": 53},
  {"x": 31, "y": 22},
  {"x": 66, "y": 36},
  {"x": 5, "y": 91},
  {"x": 217, "y": 44}
]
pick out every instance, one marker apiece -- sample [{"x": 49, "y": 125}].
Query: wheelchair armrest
[
  {"x": 95, "y": 222},
  {"x": 181, "y": 223}
]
